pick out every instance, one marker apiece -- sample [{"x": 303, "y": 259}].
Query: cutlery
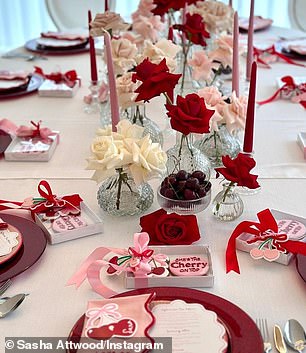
[
  {"x": 263, "y": 328},
  {"x": 27, "y": 57},
  {"x": 4, "y": 286},
  {"x": 10, "y": 304},
  {"x": 295, "y": 335},
  {"x": 279, "y": 340}
]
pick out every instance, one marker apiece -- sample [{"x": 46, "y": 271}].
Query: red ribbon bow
[
  {"x": 42, "y": 133},
  {"x": 52, "y": 204},
  {"x": 69, "y": 77},
  {"x": 260, "y": 53},
  {"x": 145, "y": 254},
  {"x": 289, "y": 88},
  {"x": 260, "y": 230}
]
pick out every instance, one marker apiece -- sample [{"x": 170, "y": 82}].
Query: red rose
[
  {"x": 163, "y": 6},
  {"x": 156, "y": 79},
  {"x": 238, "y": 170},
  {"x": 170, "y": 229},
  {"x": 190, "y": 114},
  {"x": 194, "y": 28}
]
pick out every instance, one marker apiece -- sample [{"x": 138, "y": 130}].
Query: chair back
[{"x": 297, "y": 14}]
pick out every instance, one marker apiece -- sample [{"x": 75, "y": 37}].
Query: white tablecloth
[{"x": 262, "y": 289}]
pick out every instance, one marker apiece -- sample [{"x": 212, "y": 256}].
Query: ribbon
[
  {"x": 137, "y": 263},
  {"x": 288, "y": 89},
  {"x": 51, "y": 204},
  {"x": 44, "y": 133},
  {"x": 69, "y": 77},
  {"x": 266, "y": 226},
  {"x": 8, "y": 127},
  {"x": 96, "y": 316},
  {"x": 271, "y": 51}
]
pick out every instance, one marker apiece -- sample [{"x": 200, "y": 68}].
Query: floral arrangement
[
  {"x": 170, "y": 229},
  {"x": 161, "y": 7}
]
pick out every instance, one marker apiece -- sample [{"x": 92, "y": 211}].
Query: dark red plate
[
  {"x": 301, "y": 266},
  {"x": 243, "y": 333},
  {"x": 34, "y": 244},
  {"x": 31, "y": 87},
  {"x": 281, "y": 48},
  {"x": 33, "y": 46}
]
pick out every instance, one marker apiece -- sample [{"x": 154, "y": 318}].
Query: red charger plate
[
  {"x": 16, "y": 248},
  {"x": 244, "y": 336},
  {"x": 34, "y": 244},
  {"x": 33, "y": 85},
  {"x": 33, "y": 46}
]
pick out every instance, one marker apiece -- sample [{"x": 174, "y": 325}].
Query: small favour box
[
  {"x": 187, "y": 266},
  {"x": 31, "y": 149},
  {"x": 293, "y": 226},
  {"x": 301, "y": 140},
  {"x": 52, "y": 89},
  {"x": 68, "y": 227}
]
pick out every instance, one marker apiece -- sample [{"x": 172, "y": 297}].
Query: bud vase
[
  {"x": 185, "y": 156},
  {"x": 120, "y": 196},
  {"x": 137, "y": 115},
  {"x": 227, "y": 205},
  {"x": 217, "y": 144}
]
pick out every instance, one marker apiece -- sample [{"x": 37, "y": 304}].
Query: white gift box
[
  {"x": 70, "y": 227},
  {"x": 173, "y": 252},
  {"x": 31, "y": 150},
  {"x": 284, "y": 258},
  {"x": 301, "y": 140},
  {"x": 51, "y": 89}
]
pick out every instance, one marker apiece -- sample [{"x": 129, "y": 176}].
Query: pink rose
[
  {"x": 234, "y": 113},
  {"x": 211, "y": 95},
  {"x": 123, "y": 52},
  {"x": 202, "y": 66},
  {"x": 224, "y": 51},
  {"x": 148, "y": 27},
  {"x": 144, "y": 9}
]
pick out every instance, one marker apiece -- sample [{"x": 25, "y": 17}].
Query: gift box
[
  {"x": 185, "y": 259},
  {"x": 32, "y": 149},
  {"x": 301, "y": 140},
  {"x": 68, "y": 227},
  {"x": 293, "y": 226},
  {"x": 7, "y": 132},
  {"x": 50, "y": 88}
]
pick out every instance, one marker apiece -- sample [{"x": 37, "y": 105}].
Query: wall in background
[{"x": 21, "y": 20}]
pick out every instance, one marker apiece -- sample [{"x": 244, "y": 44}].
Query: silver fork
[
  {"x": 262, "y": 324},
  {"x": 4, "y": 286}
]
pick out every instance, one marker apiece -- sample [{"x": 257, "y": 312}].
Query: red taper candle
[
  {"x": 105, "y": 5},
  {"x": 249, "y": 123},
  {"x": 92, "y": 53},
  {"x": 235, "y": 65},
  {"x": 170, "y": 34},
  {"x": 250, "y": 56}
]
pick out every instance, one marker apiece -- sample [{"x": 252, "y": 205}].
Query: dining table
[{"x": 263, "y": 289}]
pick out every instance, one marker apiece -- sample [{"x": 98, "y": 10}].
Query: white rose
[
  {"x": 125, "y": 90},
  {"x": 127, "y": 130},
  {"x": 123, "y": 53}
]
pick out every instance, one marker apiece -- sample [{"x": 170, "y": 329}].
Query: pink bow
[
  {"x": 8, "y": 127},
  {"x": 97, "y": 315},
  {"x": 37, "y": 132}
]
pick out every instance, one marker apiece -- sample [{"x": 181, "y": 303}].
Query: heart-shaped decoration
[
  {"x": 111, "y": 270},
  {"x": 122, "y": 328},
  {"x": 256, "y": 253},
  {"x": 159, "y": 272},
  {"x": 271, "y": 254}
]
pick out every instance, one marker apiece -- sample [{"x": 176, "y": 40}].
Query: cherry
[
  {"x": 182, "y": 175},
  {"x": 192, "y": 183},
  {"x": 170, "y": 194},
  {"x": 189, "y": 194}
]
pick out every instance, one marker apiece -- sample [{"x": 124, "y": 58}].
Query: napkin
[
  {"x": 63, "y": 35},
  {"x": 13, "y": 75}
]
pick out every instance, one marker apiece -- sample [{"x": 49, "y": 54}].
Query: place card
[
  {"x": 51, "y": 89},
  {"x": 293, "y": 226},
  {"x": 59, "y": 228},
  {"x": 188, "y": 266}
]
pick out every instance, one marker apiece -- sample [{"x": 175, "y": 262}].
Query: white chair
[
  {"x": 70, "y": 14},
  {"x": 297, "y": 14}
]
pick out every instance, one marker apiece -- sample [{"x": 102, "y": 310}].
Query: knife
[{"x": 279, "y": 340}]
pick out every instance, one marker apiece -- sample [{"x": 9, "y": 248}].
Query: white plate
[{"x": 60, "y": 43}]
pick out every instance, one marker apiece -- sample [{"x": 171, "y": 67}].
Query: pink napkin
[
  {"x": 63, "y": 36},
  {"x": 13, "y": 75}
]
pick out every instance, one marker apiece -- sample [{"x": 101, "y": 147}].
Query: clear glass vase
[
  {"x": 120, "y": 196},
  {"x": 217, "y": 144},
  {"x": 227, "y": 205},
  {"x": 137, "y": 115},
  {"x": 185, "y": 156}
]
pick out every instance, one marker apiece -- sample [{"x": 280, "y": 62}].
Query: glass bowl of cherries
[{"x": 185, "y": 193}]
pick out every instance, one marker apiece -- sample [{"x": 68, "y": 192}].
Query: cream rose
[
  {"x": 125, "y": 89},
  {"x": 149, "y": 160},
  {"x": 217, "y": 16},
  {"x": 107, "y": 21},
  {"x": 235, "y": 113},
  {"x": 123, "y": 53},
  {"x": 127, "y": 130}
]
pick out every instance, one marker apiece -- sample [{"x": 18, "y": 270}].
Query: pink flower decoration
[
  {"x": 202, "y": 66},
  {"x": 144, "y": 9},
  {"x": 235, "y": 112},
  {"x": 224, "y": 51},
  {"x": 148, "y": 27}
]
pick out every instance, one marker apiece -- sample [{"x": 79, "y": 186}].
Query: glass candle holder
[{"x": 93, "y": 106}]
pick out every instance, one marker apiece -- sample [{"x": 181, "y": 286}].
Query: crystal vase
[
  {"x": 217, "y": 144},
  {"x": 137, "y": 115},
  {"x": 120, "y": 196},
  {"x": 185, "y": 156},
  {"x": 227, "y": 205}
]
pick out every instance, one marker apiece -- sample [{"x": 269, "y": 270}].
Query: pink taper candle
[
  {"x": 250, "y": 56},
  {"x": 111, "y": 81},
  {"x": 249, "y": 123},
  {"x": 230, "y": 3},
  {"x": 92, "y": 53},
  {"x": 235, "y": 65},
  {"x": 105, "y": 5}
]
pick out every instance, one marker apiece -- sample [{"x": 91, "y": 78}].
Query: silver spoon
[
  {"x": 295, "y": 335},
  {"x": 7, "y": 305}
]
